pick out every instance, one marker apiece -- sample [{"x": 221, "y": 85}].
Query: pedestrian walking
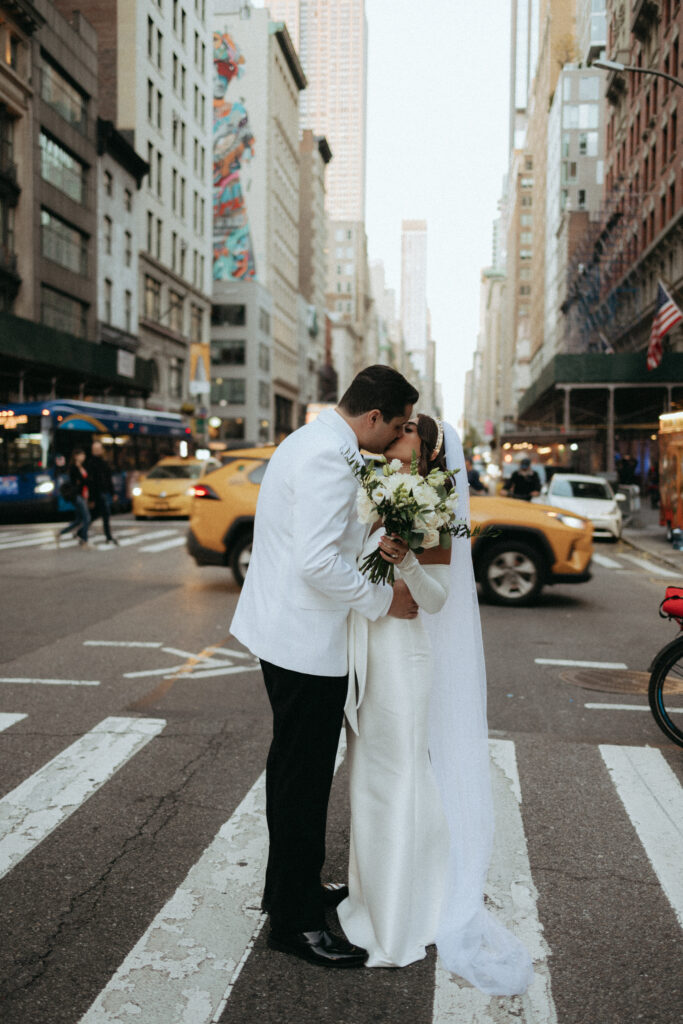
[
  {"x": 473, "y": 478},
  {"x": 524, "y": 484},
  {"x": 77, "y": 493},
  {"x": 101, "y": 488}
]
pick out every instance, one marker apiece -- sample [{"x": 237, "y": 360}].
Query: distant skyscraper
[
  {"x": 523, "y": 57},
  {"x": 414, "y": 291},
  {"x": 332, "y": 41}
]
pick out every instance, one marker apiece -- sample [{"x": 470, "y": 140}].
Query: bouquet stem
[{"x": 377, "y": 569}]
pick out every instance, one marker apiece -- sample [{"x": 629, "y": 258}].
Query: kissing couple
[{"x": 405, "y": 665}]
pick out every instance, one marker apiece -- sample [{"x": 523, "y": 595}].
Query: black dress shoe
[
  {"x": 318, "y": 948},
  {"x": 333, "y": 894}
]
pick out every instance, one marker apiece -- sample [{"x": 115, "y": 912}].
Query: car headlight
[
  {"x": 136, "y": 492},
  {"x": 189, "y": 491},
  {"x": 573, "y": 521},
  {"x": 44, "y": 487}
]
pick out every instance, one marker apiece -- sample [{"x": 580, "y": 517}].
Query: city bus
[
  {"x": 37, "y": 438},
  {"x": 671, "y": 471}
]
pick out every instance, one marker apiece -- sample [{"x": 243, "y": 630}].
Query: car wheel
[
  {"x": 240, "y": 557},
  {"x": 511, "y": 572}
]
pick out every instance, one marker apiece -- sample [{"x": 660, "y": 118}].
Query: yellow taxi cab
[
  {"x": 526, "y": 548},
  {"x": 167, "y": 489}
]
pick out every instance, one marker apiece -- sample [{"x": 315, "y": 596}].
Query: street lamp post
[{"x": 613, "y": 65}]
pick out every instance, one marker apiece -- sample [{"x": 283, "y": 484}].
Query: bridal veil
[{"x": 470, "y": 940}]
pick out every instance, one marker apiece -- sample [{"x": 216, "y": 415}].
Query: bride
[{"x": 421, "y": 804}]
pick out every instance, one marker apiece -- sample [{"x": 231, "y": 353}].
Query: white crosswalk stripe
[
  {"x": 8, "y": 719},
  {"x": 42, "y": 802},
  {"x": 653, "y": 799}
]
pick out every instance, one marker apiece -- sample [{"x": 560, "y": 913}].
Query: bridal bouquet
[{"x": 418, "y": 509}]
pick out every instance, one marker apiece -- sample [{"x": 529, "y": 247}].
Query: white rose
[
  {"x": 431, "y": 539},
  {"x": 367, "y": 513}
]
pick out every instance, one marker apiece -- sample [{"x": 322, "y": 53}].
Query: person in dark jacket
[
  {"x": 78, "y": 480},
  {"x": 101, "y": 488},
  {"x": 524, "y": 484},
  {"x": 473, "y": 479}
]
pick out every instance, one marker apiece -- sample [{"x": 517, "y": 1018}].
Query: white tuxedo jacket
[{"x": 303, "y": 580}]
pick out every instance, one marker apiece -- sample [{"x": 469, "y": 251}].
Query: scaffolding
[{"x": 601, "y": 302}]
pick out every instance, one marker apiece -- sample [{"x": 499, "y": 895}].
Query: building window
[
  {"x": 62, "y": 243},
  {"x": 152, "y": 298},
  {"x": 128, "y": 310},
  {"x": 176, "y": 371},
  {"x": 264, "y": 321},
  {"x": 150, "y": 100},
  {"x": 264, "y": 358},
  {"x": 108, "y": 229},
  {"x": 150, "y": 231},
  {"x": 582, "y": 199},
  {"x": 128, "y": 200},
  {"x": 232, "y": 315},
  {"x": 128, "y": 248},
  {"x": 589, "y": 87},
  {"x": 58, "y": 92},
  {"x": 176, "y": 311},
  {"x": 196, "y": 322},
  {"x": 159, "y": 174},
  {"x": 61, "y": 169},
  {"x": 228, "y": 391},
  {"x": 108, "y": 287},
  {"x": 228, "y": 352},
  {"x": 158, "y": 238},
  {"x": 62, "y": 312},
  {"x": 108, "y": 184},
  {"x": 263, "y": 394}
]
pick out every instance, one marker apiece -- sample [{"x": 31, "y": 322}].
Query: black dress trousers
[{"x": 307, "y": 718}]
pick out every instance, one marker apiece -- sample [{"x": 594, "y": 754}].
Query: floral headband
[{"x": 439, "y": 441}]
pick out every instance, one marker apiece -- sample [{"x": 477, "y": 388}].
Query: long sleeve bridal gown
[{"x": 399, "y": 835}]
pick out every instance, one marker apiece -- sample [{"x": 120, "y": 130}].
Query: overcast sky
[{"x": 437, "y": 149}]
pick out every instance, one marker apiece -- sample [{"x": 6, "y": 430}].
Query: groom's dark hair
[{"x": 378, "y": 387}]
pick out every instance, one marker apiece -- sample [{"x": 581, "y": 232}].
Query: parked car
[
  {"x": 533, "y": 546},
  {"x": 167, "y": 489},
  {"x": 588, "y": 496}
]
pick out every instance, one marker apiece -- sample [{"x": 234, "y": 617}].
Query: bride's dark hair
[{"x": 428, "y": 432}]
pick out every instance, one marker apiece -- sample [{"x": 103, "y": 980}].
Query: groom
[{"x": 302, "y": 583}]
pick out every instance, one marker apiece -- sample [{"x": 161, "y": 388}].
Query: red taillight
[{"x": 204, "y": 491}]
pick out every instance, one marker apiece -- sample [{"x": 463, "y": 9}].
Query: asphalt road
[{"x": 133, "y": 736}]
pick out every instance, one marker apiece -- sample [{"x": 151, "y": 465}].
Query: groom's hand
[{"x": 403, "y": 605}]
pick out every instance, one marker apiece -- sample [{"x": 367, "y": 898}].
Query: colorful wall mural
[{"x": 233, "y": 144}]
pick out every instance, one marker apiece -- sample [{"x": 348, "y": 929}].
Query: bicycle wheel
[{"x": 665, "y": 692}]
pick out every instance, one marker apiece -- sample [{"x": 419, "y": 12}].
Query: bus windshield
[{"x": 23, "y": 448}]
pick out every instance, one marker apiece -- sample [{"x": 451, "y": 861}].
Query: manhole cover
[{"x": 614, "y": 680}]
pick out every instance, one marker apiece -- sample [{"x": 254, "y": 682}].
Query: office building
[{"x": 414, "y": 292}]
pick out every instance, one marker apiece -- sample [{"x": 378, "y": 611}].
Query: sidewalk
[{"x": 645, "y": 534}]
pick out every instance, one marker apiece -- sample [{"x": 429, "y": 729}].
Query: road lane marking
[
  {"x": 607, "y": 563},
  {"x": 629, "y": 707},
  {"x": 176, "y": 542},
  {"x": 50, "y": 682},
  {"x": 123, "y": 643},
  {"x": 38, "y": 539},
  {"x": 48, "y": 797},
  {"x": 233, "y": 653},
  {"x": 580, "y": 664},
  {"x": 652, "y": 567},
  {"x": 177, "y": 970},
  {"x": 511, "y": 889},
  {"x": 229, "y": 670},
  {"x": 653, "y": 799},
  {"x": 142, "y": 537},
  {"x": 7, "y": 719}
]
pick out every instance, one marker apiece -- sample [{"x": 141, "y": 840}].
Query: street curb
[{"x": 668, "y": 562}]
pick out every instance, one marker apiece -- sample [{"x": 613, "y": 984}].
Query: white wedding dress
[
  {"x": 399, "y": 835},
  {"x": 419, "y": 756}
]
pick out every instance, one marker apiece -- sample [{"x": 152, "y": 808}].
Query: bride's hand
[{"x": 392, "y": 549}]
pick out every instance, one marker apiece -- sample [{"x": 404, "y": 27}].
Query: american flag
[{"x": 667, "y": 315}]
